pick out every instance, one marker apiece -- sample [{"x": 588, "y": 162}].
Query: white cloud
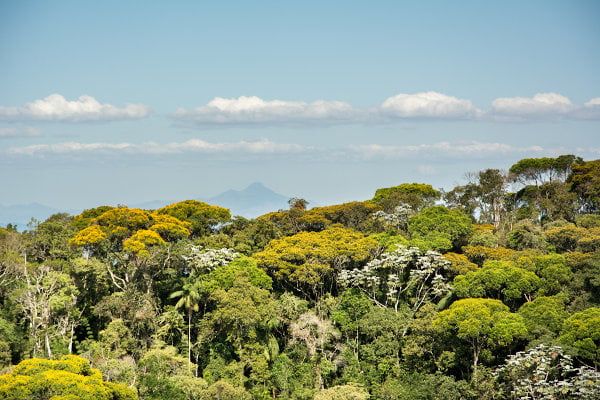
[
  {"x": 56, "y": 108},
  {"x": 190, "y": 146},
  {"x": 595, "y": 102},
  {"x": 256, "y": 111},
  {"x": 590, "y": 110},
  {"x": 541, "y": 105},
  {"x": 19, "y": 132},
  {"x": 443, "y": 150},
  {"x": 428, "y": 105}
]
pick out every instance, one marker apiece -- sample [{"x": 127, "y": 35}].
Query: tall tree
[
  {"x": 189, "y": 298},
  {"x": 483, "y": 323}
]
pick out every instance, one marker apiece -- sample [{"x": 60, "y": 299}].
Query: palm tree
[{"x": 189, "y": 298}]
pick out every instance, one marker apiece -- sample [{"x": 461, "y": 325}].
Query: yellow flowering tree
[
  {"x": 309, "y": 260},
  {"x": 71, "y": 378}
]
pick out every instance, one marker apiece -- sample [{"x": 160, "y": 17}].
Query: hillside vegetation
[{"x": 488, "y": 291}]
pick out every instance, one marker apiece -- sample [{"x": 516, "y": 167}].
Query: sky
[{"x": 123, "y": 102}]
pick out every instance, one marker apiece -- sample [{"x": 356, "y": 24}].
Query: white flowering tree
[
  {"x": 201, "y": 261},
  {"x": 546, "y": 373},
  {"x": 398, "y": 219},
  {"x": 406, "y": 275}
]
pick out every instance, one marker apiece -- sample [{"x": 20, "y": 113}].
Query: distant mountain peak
[
  {"x": 255, "y": 200},
  {"x": 256, "y": 186}
]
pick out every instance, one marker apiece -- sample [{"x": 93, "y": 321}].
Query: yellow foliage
[
  {"x": 202, "y": 216},
  {"x": 483, "y": 228},
  {"x": 132, "y": 228},
  {"x": 479, "y": 254},
  {"x": 308, "y": 257},
  {"x": 130, "y": 218},
  {"x": 170, "y": 231},
  {"x": 141, "y": 239},
  {"x": 169, "y": 219},
  {"x": 576, "y": 259},
  {"x": 70, "y": 378},
  {"x": 90, "y": 235},
  {"x": 460, "y": 264}
]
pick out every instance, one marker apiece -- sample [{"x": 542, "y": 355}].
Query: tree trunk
[{"x": 190, "y": 341}]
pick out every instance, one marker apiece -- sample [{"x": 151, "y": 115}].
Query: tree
[
  {"x": 546, "y": 373},
  {"x": 455, "y": 225},
  {"x": 317, "y": 334},
  {"x": 49, "y": 241},
  {"x": 500, "y": 280},
  {"x": 238, "y": 331},
  {"x": 298, "y": 203},
  {"x": 203, "y": 217},
  {"x": 417, "y": 195},
  {"x": 483, "y": 196},
  {"x": 310, "y": 260},
  {"x": 406, "y": 275},
  {"x": 343, "y": 392},
  {"x": 483, "y": 323},
  {"x": 189, "y": 298},
  {"x": 47, "y": 300},
  {"x": 585, "y": 181},
  {"x": 544, "y": 315},
  {"x": 581, "y": 331},
  {"x": 71, "y": 377},
  {"x": 353, "y": 215},
  {"x": 163, "y": 375},
  {"x": 545, "y": 169}
]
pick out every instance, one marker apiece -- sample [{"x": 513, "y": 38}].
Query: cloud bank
[
  {"x": 190, "y": 146},
  {"x": 446, "y": 150},
  {"x": 264, "y": 147},
  {"x": 254, "y": 111},
  {"x": 56, "y": 108}
]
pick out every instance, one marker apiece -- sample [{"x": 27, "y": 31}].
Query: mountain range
[{"x": 251, "y": 202}]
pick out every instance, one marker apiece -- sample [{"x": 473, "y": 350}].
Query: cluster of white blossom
[
  {"x": 398, "y": 218},
  {"x": 205, "y": 260},
  {"x": 405, "y": 274},
  {"x": 546, "y": 373}
]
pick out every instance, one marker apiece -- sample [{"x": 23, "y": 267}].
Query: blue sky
[{"x": 129, "y": 101}]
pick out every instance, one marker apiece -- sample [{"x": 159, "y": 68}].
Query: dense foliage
[{"x": 488, "y": 291}]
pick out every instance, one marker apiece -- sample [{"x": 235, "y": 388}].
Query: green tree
[
  {"x": 545, "y": 169},
  {"x": 544, "y": 316},
  {"x": 163, "y": 374},
  {"x": 483, "y": 195},
  {"x": 483, "y": 323},
  {"x": 581, "y": 331},
  {"x": 501, "y": 280},
  {"x": 416, "y": 195},
  {"x": 585, "y": 181},
  {"x": 455, "y": 225},
  {"x": 49, "y": 241}
]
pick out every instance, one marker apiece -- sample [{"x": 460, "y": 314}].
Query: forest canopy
[{"x": 490, "y": 290}]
